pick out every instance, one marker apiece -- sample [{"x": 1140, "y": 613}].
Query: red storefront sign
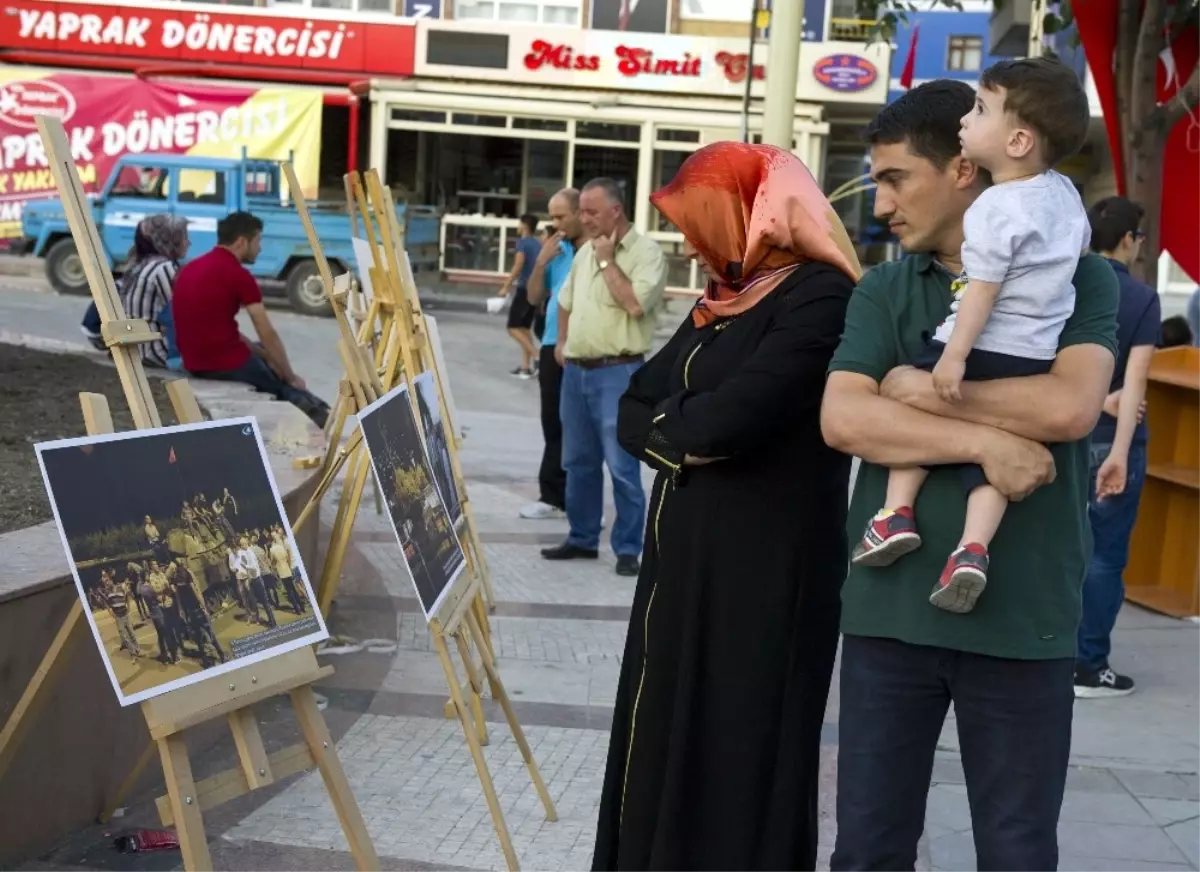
[
  {"x": 632, "y": 62},
  {"x": 142, "y": 34}
]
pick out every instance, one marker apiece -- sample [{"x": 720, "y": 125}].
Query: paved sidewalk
[{"x": 1132, "y": 799}]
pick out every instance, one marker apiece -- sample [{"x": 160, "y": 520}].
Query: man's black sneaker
[
  {"x": 567, "y": 551},
  {"x": 1101, "y": 684},
  {"x": 627, "y": 564}
]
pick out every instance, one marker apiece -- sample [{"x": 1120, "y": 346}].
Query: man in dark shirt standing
[
  {"x": 1007, "y": 665},
  {"x": 209, "y": 291},
  {"x": 1118, "y": 455}
]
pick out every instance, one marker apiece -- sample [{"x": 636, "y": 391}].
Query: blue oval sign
[{"x": 845, "y": 72}]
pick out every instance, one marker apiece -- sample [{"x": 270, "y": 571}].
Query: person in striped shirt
[{"x": 159, "y": 244}]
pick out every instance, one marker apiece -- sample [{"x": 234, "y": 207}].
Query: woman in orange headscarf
[{"x": 715, "y": 748}]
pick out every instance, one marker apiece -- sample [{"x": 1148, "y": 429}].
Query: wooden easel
[
  {"x": 231, "y": 695},
  {"x": 462, "y": 616}
]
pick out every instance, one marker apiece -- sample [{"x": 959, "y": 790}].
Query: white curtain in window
[
  {"x": 561, "y": 13},
  {"x": 512, "y": 10},
  {"x": 475, "y": 10}
]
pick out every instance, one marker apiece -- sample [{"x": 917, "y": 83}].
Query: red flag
[
  {"x": 906, "y": 75},
  {"x": 171, "y": 458},
  {"x": 623, "y": 16}
]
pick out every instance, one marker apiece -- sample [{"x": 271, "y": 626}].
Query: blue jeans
[
  {"x": 256, "y": 373},
  {"x": 1014, "y": 729},
  {"x": 588, "y": 408},
  {"x": 1112, "y": 522}
]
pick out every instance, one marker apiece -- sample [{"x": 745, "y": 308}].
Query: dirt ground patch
[{"x": 39, "y": 401}]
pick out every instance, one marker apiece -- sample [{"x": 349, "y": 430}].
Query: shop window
[
  {"x": 555, "y": 124},
  {"x": 463, "y": 48},
  {"x": 547, "y": 174},
  {"x": 668, "y": 134},
  {"x": 480, "y": 120},
  {"x": 619, "y": 164},
  {"x": 666, "y": 165},
  {"x": 472, "y": 248},
  {"x": 419, "y": 116},
  {"x": 964, "y": 54},
  {"x": 564, "y": 12},
  {"x": 387, "y": 7},
  {"x": 613, "y": 132}
]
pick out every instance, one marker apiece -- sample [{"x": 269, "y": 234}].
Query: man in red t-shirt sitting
[{"x": 209, "y": 291}]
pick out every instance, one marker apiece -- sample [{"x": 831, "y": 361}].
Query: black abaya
[{"x": 715, "y": 745}]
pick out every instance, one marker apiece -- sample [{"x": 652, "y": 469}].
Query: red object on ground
[
  {"x": 906, "y": 75},
  {"x": 146, "y": 840},
  {"x": 1097, "y": 23}
]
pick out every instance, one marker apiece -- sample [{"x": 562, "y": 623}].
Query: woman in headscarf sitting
[
  {"x": 159, "y": 244},
  {"x": 715, "y": 746}
]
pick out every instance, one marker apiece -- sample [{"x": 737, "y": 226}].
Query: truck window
[
  {"x": 145, "y": 182},
  {"x": 260, "y": 183},
  {"x": 202, "y": 186}
]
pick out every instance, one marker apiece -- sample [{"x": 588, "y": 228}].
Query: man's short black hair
[
  {"x": 1175, "y": 332},
  {"x": 238, "y": 225},
  {"x": 1111, "y": 219},
  {"x": 927, "y": 119},
  {"x": 1047, "y": 95},
  {"x": 530, "y": 221}
]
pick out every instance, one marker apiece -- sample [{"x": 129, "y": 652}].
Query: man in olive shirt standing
[
  {"x": 1008, "y": 665},
  {"x": 607, "y": 311}
]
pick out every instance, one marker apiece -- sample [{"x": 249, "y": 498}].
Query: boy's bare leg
[
  {"x": 985, "y": 511},
  {"x": 965, "y": 575},
  {"x": 903, "y": 486},
  {"x": 892, "y": 533}
]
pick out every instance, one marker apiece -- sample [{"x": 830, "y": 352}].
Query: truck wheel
[
  {"x": 304, "y": 288},
  {"x": 64, "y": 268}
]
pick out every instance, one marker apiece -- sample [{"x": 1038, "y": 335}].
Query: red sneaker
[
  {"x": 963, "y": 579},
  {"x": 890, "y": 535}
]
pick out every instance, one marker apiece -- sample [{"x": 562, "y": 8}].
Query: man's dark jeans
[
  {"x": 1112, "y": 522},
  {"x": 552, "y": 480},
  {"x": 261, "y": 377},
  {"x": 1014, "y": 731}
]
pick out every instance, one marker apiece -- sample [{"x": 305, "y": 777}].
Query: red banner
[
  {"x": 212, "y": 35},
  {"x": 1097, "y": 23},
  {"x": 106, "y": 117}
]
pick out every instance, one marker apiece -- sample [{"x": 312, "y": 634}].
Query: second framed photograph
[
  {"x": 181, "y": 552},
  {"x": 409, "y": 483}
]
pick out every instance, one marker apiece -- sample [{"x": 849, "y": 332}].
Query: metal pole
[
  {"x": 783, "y": 65},
  {"x": 749, "y": 72}
]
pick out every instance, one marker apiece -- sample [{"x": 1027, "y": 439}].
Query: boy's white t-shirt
[{"x": 1028, "y": 236}]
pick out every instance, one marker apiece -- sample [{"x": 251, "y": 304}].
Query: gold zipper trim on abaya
[{"x": 662, "y": 497}]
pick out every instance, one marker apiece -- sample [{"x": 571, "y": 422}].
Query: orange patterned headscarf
[{"x": 753, "y": 213}]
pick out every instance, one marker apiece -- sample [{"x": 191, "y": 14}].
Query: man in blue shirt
[
  {"x": 1118, "y": 452},
  {"x": 550, "y": 270}
]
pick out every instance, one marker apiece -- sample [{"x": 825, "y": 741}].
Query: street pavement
[{"x": 1132, "y": 799}]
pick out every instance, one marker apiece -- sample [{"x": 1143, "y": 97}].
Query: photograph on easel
[
  {"x": 181, "y": 552},
  {"x": 437, "y": 434},
  {"x": 402, "y": 467}
]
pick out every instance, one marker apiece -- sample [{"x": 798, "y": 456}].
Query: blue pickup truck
[{"x": 204, "y": 190}]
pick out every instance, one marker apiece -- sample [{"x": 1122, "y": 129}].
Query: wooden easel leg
[
  {"x": 185, "y": 806},
  {"x": 485, "y": 777},
  {"x": 125, "y": 786},
  {"x": 320, "y": 744},
  {"x": 41, "y": 685},
  {"x": 513, "y": 723},
  {"x": 475, "y": 685},
  {"x": 481, "y": 612},
  {"x": 356, "y": 479}
]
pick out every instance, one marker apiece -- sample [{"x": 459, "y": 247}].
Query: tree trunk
[{"x": 1145, "y": 177}]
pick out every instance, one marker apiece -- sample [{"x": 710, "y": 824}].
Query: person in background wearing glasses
[{"x": 1118, "y": 462}]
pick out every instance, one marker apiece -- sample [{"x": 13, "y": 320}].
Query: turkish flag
[
  {"x": 906, "y": 75},
  {"x": 1097, "y": 23}
]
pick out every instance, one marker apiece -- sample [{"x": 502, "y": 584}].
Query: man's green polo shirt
[{"x": 1030, "y": 609}]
